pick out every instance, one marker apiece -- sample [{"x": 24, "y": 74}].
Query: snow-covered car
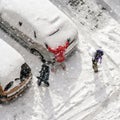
[
  {"x": 15, "y": 74},
  {"x": 40, "y": 26}
]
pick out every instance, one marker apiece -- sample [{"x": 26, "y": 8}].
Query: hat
[{"x": 100, "y": 52}]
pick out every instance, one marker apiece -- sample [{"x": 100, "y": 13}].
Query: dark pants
[
  {"x": 94, "y": 65},
  {"x": 44, "y": 75},
  {"x": 45, "y": 82}
]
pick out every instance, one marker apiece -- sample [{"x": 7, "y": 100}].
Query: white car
[
  {"x": 39, "y": 26},
  {"x": 15, "y": 74}
]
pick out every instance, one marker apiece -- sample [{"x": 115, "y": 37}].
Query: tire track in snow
[
  {"x": 111, "y": 98},
  {"x": 70, "y": 109},
  {"x": 81, "y": 113},
  {"x": 62, "y": 106},
  {"x": 75, "y": 114}
]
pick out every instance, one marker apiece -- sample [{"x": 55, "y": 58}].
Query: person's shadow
[
  {"x": 64, "y": 82},
  {"x": 100, "y": 88},
  {"x": 47, "y": 104}
]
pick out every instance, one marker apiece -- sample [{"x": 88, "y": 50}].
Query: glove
[{"x": 68, "y": 39}]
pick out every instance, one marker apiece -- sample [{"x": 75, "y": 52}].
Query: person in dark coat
[
  {"x": 44, "y": 74},
  {"x": 25, "y": 71},
  {"x": 97, "y": 58}
]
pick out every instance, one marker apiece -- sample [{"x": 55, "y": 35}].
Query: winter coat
[
  {"x": 25, "y": 71},
  {"x": 44, "y": 73},
  {"x": 97, "y": 58},
  {"x": 59, "y": 52}
]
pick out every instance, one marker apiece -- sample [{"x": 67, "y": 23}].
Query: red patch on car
[{"x": 59, "y": 52}]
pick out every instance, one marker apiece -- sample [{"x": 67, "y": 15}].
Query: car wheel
[{"x": 35, "y": 52}]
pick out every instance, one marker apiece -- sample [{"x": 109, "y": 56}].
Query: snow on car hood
[
  {"x": 10, "y": 62},
  {"x": 58, "y": 36}
]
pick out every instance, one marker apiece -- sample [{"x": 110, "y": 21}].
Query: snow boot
[
  {"x": 39, "y": 82},
  {"x": 46, "y": 84}
]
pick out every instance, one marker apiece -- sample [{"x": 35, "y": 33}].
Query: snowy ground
[
  {"x": 113, "y": 7},
  {"x": 77, "y": 93}
]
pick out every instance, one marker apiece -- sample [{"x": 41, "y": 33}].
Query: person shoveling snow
[
  {"x": 44, "y": 74},
  {"x": 97, "y": 58}
]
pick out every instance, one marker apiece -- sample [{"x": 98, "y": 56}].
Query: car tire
[{"x": 35, "y": 52}]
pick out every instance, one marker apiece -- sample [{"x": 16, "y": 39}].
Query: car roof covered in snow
[
  {"x": 45, "y": 17},
  {"x": 10, "y": 59}
]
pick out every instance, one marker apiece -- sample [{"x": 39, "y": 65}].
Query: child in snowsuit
[
  {"x": 44, "y": 74},
  {"x": 97, "y": 58}
]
